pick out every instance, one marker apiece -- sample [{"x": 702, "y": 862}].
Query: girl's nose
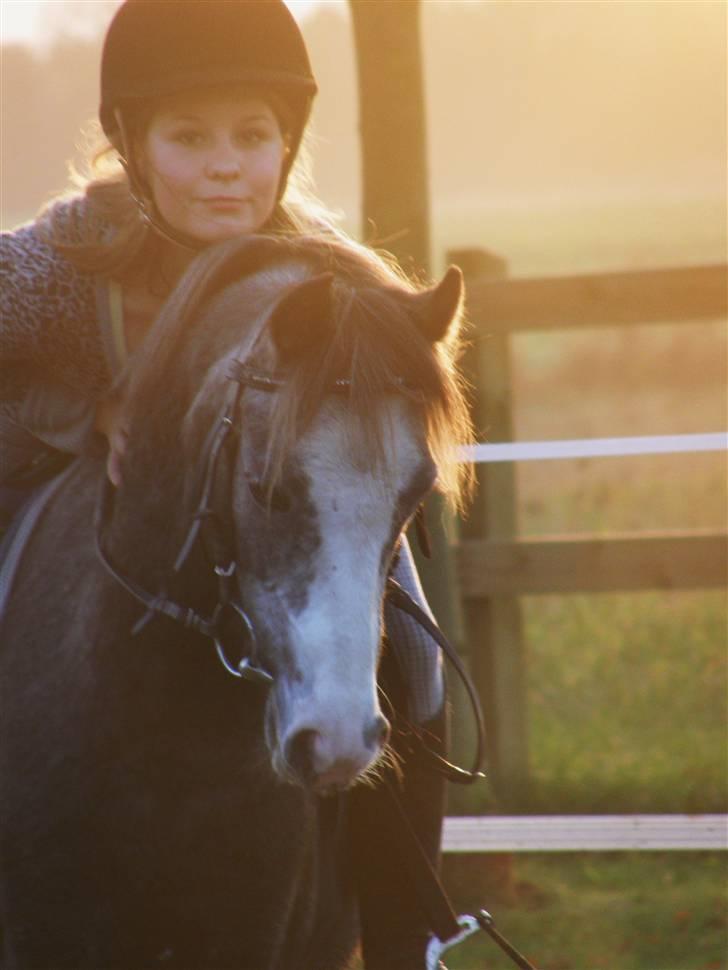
[{"x": 223, "y": 162}]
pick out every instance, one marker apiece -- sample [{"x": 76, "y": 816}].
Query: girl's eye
[
  {"x": 188, "y": 138},
  {"x": 253, "y": 136}
]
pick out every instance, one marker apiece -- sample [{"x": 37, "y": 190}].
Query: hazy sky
[
  {"x": 551, "y": 122},
  {"x": 37, "y": 21}
]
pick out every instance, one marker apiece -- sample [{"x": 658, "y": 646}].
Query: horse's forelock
[{"x": 374, "y": 342}]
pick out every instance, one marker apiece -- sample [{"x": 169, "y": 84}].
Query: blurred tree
[
  {"x": 46, "y": 100},
  {"x": 395, "y": 204},
  {"x": 23, "y": 164}
]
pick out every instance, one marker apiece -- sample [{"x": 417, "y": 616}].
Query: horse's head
[{"x": 347, "y": 401}]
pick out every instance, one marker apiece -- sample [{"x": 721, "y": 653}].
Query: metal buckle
[
  {"x": 244, "y": 668},
  {"x": 436, "y": 947},
  {"x": 225, "y": 572}
]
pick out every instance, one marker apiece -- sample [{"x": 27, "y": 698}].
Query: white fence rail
[
  {"x": 597, "y": 447},
  {"x": 584, "y": 833}
]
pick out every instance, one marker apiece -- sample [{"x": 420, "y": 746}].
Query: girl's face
[{"x": 213, "y": 162}]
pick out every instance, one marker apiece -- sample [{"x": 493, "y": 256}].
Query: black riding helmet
[{"x": 158, "y": 47}]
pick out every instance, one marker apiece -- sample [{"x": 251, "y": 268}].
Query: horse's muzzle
[{"x": 319, "y": 760}]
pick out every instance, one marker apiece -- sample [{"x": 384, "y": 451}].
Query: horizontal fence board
[
  {"x": 679, "y": 295},
  {"x": 584, "y": 833},
  {"x": 571, "y": 448},
  {"x": 679, "y": 560}
]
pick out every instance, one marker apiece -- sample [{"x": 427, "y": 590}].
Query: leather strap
[
  {"x": 461, "y": 776},
  {"x": 20, "y": 531},
  {"x": 430, "y": 892},
  {"x": 431, "y": 895}
]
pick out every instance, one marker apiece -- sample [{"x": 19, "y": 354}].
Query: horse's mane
[{"x": 375, "y": 343}]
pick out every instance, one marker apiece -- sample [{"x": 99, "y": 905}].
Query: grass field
[
  {"x": 627, "y": 693},
  {"x": 603, "y": 911}
]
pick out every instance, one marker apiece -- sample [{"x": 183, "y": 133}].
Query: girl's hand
[
  {"x": 109, "y": 423},
  {"x": 117, "y": 447}
]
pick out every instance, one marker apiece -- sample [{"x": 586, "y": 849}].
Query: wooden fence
[{"x": 494, "y": 565}]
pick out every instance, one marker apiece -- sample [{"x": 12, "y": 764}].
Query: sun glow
[
  {"x": 19, "y": 21},
  {"x": 38, "y": 22}
]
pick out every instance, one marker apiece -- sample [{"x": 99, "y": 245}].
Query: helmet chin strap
[
  {"x": 144, "y": 203},
  {"x": 149, "y": 214},
  {"x": 147, "y": 208}
]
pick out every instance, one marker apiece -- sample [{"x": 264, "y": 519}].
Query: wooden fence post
[
  {"x": 494, "y": 625},
  {"x": 395, "y": 208}
]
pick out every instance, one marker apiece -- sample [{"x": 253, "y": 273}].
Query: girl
[{"x": 204, "y": 104}]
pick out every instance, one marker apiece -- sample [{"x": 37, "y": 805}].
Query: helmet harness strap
[{"x": 143, "y": 201}]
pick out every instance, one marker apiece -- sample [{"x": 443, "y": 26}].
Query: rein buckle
[
  {"x": 244, "y": 669},
  {"x": 436, "y": 947}
]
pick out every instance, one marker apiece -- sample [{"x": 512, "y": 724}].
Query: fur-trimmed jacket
[{"x": 53, "y": 363}]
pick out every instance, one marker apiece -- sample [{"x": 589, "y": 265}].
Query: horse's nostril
[
  {"x": 301, "y": 753},
  {"x": 328, "y": 760},
  {"x": 377, "y": 734}
]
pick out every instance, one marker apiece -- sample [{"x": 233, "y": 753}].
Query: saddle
[{"x": 21, "y": 528}]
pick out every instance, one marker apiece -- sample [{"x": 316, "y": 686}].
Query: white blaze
[{"x": 335, "y": 637}]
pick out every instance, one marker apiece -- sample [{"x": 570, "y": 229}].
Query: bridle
[
  {"x": 205, "y": 522},
  {"x": 224, "y": 564}
]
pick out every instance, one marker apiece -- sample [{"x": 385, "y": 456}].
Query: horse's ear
[
  {"x": 437, "y": 307},
  {"x": 302, "y": 318}
]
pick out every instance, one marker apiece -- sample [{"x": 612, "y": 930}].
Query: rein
[
  {"x": 449, "y": 929},
  {"x": 459, "y": 776}
]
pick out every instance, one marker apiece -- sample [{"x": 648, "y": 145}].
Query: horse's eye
[{"x": 278, "y": 500}]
